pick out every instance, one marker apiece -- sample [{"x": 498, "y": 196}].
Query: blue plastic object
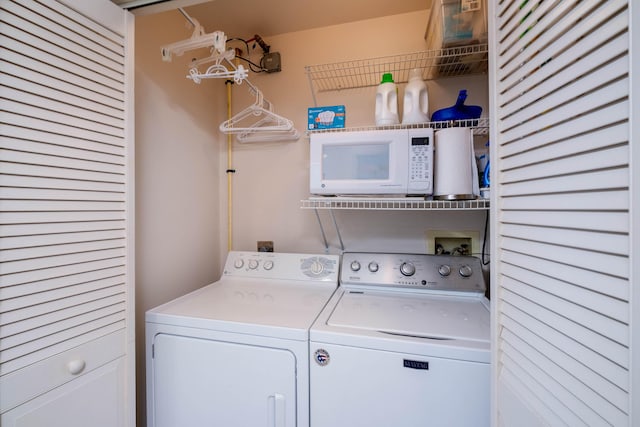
[
  {"x": 458, "y": 111},
  {"x": 486, "y": 176}
]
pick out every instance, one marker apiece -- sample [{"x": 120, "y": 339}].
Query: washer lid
[
  {"x": 284, "y": 309},
  {"x": 433, "y": 316}
]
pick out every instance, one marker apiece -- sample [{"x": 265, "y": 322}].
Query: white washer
[
  {"x": 235, "y": 352},
  {"x": 404, "y": 341}
]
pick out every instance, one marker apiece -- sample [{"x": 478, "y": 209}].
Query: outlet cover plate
[{"x": 432, "y": 235}]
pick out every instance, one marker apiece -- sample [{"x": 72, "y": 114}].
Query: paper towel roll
[{"x": 454, "y": 164}]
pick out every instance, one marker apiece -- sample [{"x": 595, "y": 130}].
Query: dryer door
[{"x": 199, "y": 382}]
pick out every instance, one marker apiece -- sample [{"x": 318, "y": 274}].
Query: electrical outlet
[
  {"x": 444, "y": 242},
  {"x": 265, "y": 246}
]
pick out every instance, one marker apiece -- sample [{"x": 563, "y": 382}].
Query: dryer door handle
[{"x": 277, "y": 416}]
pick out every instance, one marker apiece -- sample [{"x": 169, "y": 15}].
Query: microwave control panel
[{"x": 421, "y": 161}]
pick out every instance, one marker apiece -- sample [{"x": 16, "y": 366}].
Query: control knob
[
  {"x": 355, "y": 266},
  {"x": 373, "y": 266},
  {"x": 268, "y": 265},
  {"x": 407, "y": 269},
  {"x": 466, "y": 271},
  {"x": 316, "y": 267},
  {"x": 253, "y": 264},
  {"x": 444, "y": 270},
  {"x": 238, "y": 263}
]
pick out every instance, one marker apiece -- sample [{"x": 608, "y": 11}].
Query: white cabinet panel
[{"x": 95, "y": 399}]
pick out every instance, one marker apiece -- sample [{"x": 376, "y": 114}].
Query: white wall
[
  {"x": 177, "y": 161},
  {"x": 272, "y": 178},
  {"x": 181, "y": 159}
]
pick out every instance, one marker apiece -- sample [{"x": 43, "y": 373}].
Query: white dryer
[
  {"x": 235, "y": 352},
  {"x": 404, "y": 341}
]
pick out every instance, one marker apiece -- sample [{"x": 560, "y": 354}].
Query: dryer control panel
[
  {"x": 413, "y": 271},
  {"x": 282, "y": 266}
]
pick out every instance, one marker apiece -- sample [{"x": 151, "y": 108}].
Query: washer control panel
[
  {"x": 282, "y": 266},
  {"x": 413, "y": 271}
]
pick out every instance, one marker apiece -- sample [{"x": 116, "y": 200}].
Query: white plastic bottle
[
  {"x": 416, "y": 99},
  {"x": 387, "y": 102}
]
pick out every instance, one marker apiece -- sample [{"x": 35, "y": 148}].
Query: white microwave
[{"x": 373, "y": 162}]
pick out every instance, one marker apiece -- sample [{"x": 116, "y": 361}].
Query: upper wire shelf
[
  {"x": 480, "y": 126},
  {"x": 448, "y": 62}
]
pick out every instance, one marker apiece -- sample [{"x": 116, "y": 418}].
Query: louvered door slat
[
  {"x": 52, "y": 262},
  {"x": 60, "y": 161},
  {"x": 533, "y": 117},
  {"x": 615, "y": 354},
  {"x": 61, "y": 142},
  {"x": 567, "y": 345},
  {"x": 95, "y": 38},
  {"x": 64, "y": 182},
  {"x": 585, "y": 124},
  {"x": 525, "y": 337},
  {"x": 63, "y": 173},
  {"x": 23, "y": 333},
  {"x": 58, "y": 217},
  {"x": 577, "y": 257},
  {"x": 59, "y": 184},
  {"x": 21, "y": 297},
  {"x": 613, "y": 200},
  {"x": 526, "y": 166},
  {"x": 601, "y": 282},
  {"x": 45, "y": 35},
  {"x": 581, "y": 314},
  {"x": 561, "y": 201},
  {"x": 51, "y": 149},
  {"x": 600, "y": 180},
  {"x": 43, "y": 124},
  {"x": 553, "y": 59},
  {"x": 578, "y": 411},
  {"x": 62, "y": 118},
  {"x": 44, "y": 75},
  {"x": 29, "y": 241},
  {"x": 93, "y": 279},
  {"x": 51, "y": 250},
  {"x": 36, "y": 98},
  {"x": 17, "y": 230},
  {"x": 613, "y": 243}
]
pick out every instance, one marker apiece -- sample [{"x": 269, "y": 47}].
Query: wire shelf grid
[
  {"x": 437, "y": 63},
  {"x": 480, "y": 126},
  {"x": 356, "y": 203}
]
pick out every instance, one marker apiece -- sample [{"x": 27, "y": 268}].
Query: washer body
[
  {"x": 235, "y": 352},
  {"x": 402, "y": 344}
]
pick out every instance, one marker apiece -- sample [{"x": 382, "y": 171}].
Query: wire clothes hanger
[
  {"x": 217, "y": 70},
  {"x": 257, "y": 122},
  {"x": 259, "y": 116}
]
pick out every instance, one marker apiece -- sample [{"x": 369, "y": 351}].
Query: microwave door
[{"x": 358, "y": 163}]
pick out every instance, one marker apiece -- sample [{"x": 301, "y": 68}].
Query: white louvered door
[
  {"x": 562, "y": 219},
  {"x": 66, "y": 214}
]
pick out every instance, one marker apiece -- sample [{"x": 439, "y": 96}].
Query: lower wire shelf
[
  {"x": 403, "y": 203},
  {"x": 392, "y": 203}
]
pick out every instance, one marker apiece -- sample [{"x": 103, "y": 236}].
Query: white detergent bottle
[
  {"x": 416, "y": 99},
  {"x": 387, "y": 102}
]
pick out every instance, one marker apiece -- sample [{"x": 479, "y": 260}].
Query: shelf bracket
[{"x": 324, "y": 234}]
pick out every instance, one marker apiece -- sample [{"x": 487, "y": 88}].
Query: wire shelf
[
  {"x": 366, "y": 203},
  {"x": 480, "y": 126},
  {"x": 449, "y": 62}
]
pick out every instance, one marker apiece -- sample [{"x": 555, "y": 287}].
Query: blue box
[{"x": 330, "y": 117}]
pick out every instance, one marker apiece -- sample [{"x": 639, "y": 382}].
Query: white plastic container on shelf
[
  {"x": 416, "y": 99},
  {"x": 387, "y": 102}
]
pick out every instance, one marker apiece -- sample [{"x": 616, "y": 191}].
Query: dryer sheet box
[{"x": 330, "y": 117}]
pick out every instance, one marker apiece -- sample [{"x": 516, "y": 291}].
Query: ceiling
[{"x": 244, "y": 18}]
